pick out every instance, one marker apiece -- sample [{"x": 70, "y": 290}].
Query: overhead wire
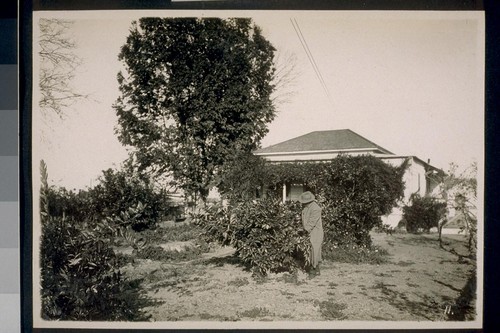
[{"x": 310, "y": 56}]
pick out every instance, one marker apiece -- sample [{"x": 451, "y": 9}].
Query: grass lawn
[{"x": 419, "y": 281}]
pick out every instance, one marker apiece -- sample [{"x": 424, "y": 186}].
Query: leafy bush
[
  {"x": 80, "y": 279},
  {"x": 129, "y": 199},
  {"x": 122, "y": 197},
  {"x": 354, "y": 191},
  {"x": 79, "y": 275},
  {"x": 70, "y": 204},
  {"x": 267, "y": 234},
  {"x": 423, "y": 213}
]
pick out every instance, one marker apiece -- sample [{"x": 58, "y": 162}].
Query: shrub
[
  {"x": 80, "y": 279},
  {"x": 267, "y": 234},
  {"x": 423, "y": 213},
  {"x": 79, "y": 275},
  {"x": 354, "y": 191},
  {"x": 121, "y": 197},
  {"x": 129, "y": 200},
  {"x": 69, "y": 204}
]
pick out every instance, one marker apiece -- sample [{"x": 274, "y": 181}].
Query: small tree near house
[
  {"x": 423, "y": 213},
  {"x": 459, "y": 191}
]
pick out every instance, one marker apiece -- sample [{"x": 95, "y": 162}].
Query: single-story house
[{"x": 420, "y": 177}]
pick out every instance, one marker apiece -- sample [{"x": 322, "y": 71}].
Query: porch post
[{"x": 284, "y": 192}]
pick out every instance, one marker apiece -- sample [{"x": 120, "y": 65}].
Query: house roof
[{"x": 333, "y": 140}]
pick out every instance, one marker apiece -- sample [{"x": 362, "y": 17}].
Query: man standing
[{"x": 311, "y": 220}]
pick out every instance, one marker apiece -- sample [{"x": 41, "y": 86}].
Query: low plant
[
  {"x": 128, "y": 199},
  {"x": 267, "y": 234},
  {"x": 330, "y": 310},
  {"x": 256, "y": 312}
]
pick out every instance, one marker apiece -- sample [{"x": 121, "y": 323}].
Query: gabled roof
[{"x": 335, "y": 140}]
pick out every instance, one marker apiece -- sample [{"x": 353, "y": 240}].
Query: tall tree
[{"x": 196, "y": 92}]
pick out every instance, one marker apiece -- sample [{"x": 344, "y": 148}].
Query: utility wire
[
  {"x": 313, "y": 60},
  {"x": 310, "y": 56}
]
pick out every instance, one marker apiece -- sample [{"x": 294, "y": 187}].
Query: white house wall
[
  {"x": 415, "y": 182},
  {"x": 414, "y": 177}
]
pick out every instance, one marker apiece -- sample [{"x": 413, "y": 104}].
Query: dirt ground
[{"x": 417, "y": 284}]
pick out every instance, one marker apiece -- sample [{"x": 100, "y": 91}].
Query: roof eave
[{"x": 309, "y": 152}]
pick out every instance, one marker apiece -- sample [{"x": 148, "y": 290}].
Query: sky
[{"x": 410, "y": 82}]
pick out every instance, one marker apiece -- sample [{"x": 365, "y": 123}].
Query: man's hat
[{"x": 306, "y": 197}]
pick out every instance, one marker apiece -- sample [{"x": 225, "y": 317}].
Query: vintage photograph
[{"x": 267, "y": 169}]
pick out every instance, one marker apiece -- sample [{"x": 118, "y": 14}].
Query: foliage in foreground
[
  {"x": 267, "y": 234},
  {"x": 80, "y": 279}
]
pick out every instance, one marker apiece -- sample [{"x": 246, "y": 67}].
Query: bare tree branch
[
  {"x": 285, "y": 77},
  {"x": 57, "y": 67}
]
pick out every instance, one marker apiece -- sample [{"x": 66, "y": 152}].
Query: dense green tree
[
  {"x": 195, "y": 93},
  {"x": 244, "y": 177}
]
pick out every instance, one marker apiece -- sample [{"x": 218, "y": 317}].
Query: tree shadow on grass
[
  {"x": 464, "y": 308},
  {"x": 427, "y": 307},
  {"x": 446, "y": 285},
  {"x": 421, "y": 239},
  {"x": 232, "y": 259}
]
